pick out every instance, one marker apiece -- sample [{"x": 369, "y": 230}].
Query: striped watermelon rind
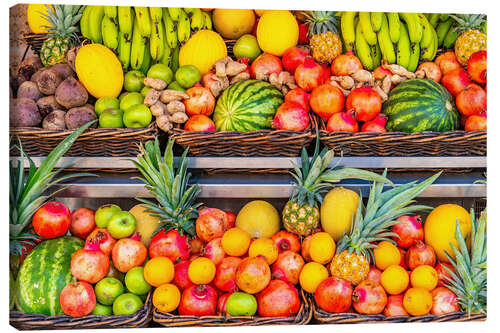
[
  {"x": 419, "y": 105},
  {"x": 43, "y": 275},
  {"x": 246, "y": 106}
]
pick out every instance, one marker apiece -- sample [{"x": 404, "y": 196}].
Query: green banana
[
  {"x": 125, "y": 19},
  {"x": 146, "y": 63},
  {"x": 111, "y": 11},
  {"x": 109, "y": 32},
  {"x": 450, "y": 38},
  {"x": 366, "y": 27},
  {"x": 124, "y": 46},
  {"x": 174, "y": 60},
  {"x": 376, "y": 55},
  {"x": 156, "y": 13},
  {"x": 414, "y": 56},
  {"x": 189, "y": 11},
  {"x": 137, "y": 48},
  {"x": 384, "y": 40},
  {"x": 444, "y": 17},
  {"x": 426, "y": 53},
  {"x": 197, "y": 19},
  {"x": 434, "y": 44},
  {"x": 376, "y": 20},
  {"x": 84, "y": 22},
  {"x": 175, "y": 13},
  {"x": 347, "y": 27},
  {"x": 143, "y": 20},
  {"x": 414, "y": 27},
  {"x": 170, "y": 31},
  {"x": 442, "y": 30},
  {"x": 183, "y": 27},
  {"x": 434, "y": 19},
  {"x": 156, "y": 41},
  {"x": 207, "y": 22},
  {"x": 394, "y": 26},
  {"x": 404, "y": 48},
  {"x": 167, "y": 51},
  {"x": 363, "y": 48},
  {"x": 95, "y": 18},
  {"x": 426, "y": 40}
]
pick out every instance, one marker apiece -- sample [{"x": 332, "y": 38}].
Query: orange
[
  {"x": 417, "y": 301},
  {"x": 424, "y": 276},
  {"x": 386, "y": 254},
  {"x": 235, "y": 242},
  {"x": 394, "y": 279},
  {"x": 264, "y": 247},
  {"x": 158, "y": 271},
  {"x": 322, "y": 247},
  {"x": 312, "y": 275},
  {"x": 166, "y": 298},
  {"x": 201, "y": 270}
]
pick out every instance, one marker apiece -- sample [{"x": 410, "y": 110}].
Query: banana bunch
[{"x": 445, "y": 29}]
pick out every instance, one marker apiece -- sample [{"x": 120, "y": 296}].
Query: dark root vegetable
[
  {"x": 47, "y": 104},
  {"x": 79, "y": 116},
  {"x": 48, "y": 81},
  {"x": 55, "y": 120},
  {"x": 35, "y": 77},
  {"x": 71, "y": 56},
  {"x": 28, "y": 89},
  {"x": 28, "y": 67},
  {"x": 71, "y": 93},
  {"x": 64, "y": 70},
  {"x": 24, "y": 113}
]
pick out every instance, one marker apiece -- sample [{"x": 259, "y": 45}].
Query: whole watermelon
[
  {"x": 420, "y": 105},
  {"x": 247, "y": 106},
  {"x": 44, "y": 273}
]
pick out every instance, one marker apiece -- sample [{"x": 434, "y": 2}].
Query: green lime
[
  {"x": 246, "y": 47},
  {"x": 241, "y": 304},
  {"x": 187, "y": 76},
  {"x": 176, "y": 86},
  {"x": 102, "y": 310},
  {"x": 126, "y": 304},
  {"x": 108, "y": 289},
  {"x": 135, "y": 282},
  {"x": 162, "y": 72},
  {"x": 105, "y": 103}
]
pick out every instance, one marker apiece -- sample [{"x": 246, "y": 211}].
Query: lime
[
  {"x": 241, "y": 304},
  {"x": 246, "y": 47},
  {"x": 176, "y": 86},
  {"x": 126, "y": 304},
  {"x": 135, "y": 282},
  {"x": 102, "y": 310},
  {"x": 105, "y": 103},
  {"x": 108, "y": 289},
  {"x": 162, "y": 72},
  {"x": 187, "y": 76}
]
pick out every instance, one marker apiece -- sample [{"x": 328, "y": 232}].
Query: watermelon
[
  {"x": 44, "y": 273},
  {"x": 420, "y": 105},
  {"x": 247, "y": 106}
]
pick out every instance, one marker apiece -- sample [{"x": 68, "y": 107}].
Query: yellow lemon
[
  {"x": 312, "y": 275},
  {"x": 386, "y": 254},
  {"x": 424, "y": 276},
  {"x": 158, "y": 271},
  {"x": 166, "y": 297},
  {"x": 201, "y": 270},
  {"x": 322, "y": 247},
  {"x": 394, "y": 279},
  {"x": 235, "y": 242}
]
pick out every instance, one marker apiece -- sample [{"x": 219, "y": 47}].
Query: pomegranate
[
  {"x": 326, "y": 72},
  {"x": 394, "y": 307},
  {"x": 443, "y": 275},
  {"x": 409, "y": 229},
  {"x": 327, "y": 100},
  {"x": 198, "y": 300},
  {"x": 346, "y": 64},
  {"x": 456, "y": 80},
  {"x": 476, "y": 122},
  {"x": 199, "y": 122},
  {"x": 211, "y": 224},
  {"x": 290, "y": 116},
  {"x": 213, "y": 251},
  {"x": 169, "y": 244},
  {"x": 447, "y": 62},
  {"x": 286, "y": 241},
  {"x": 369, "y": 298},
  {"x": 129, "y": 253},
  {"x": 181, "y": 278},
  {"x": 231, "y": 219},
  {"x": 476, "y": 67},
  {"x": 52, "y": 220},
  {"x": 471, "y": 100},
  {"x": 225, "y": 276},
  {"x": 196, "y": 245},
  {"x": 293, "y": 57},
  {"x": 402, "y": 262},
  {"x": 342, "y": 122},
  {"x": 298, "y": 95},
  {"x": 431, "y": 70},
  {"x": 303, "y": 35},
  {"x": 365, "y": 102},
  {"x": 420, "y": 254},
  {"x": 287, "y": 267},
  {"x": 265, "y": 65},
  {"x": 376, "y": 125},
  {"x": 309, "y": 75},
  {"x": 306, "y": 243},
  {"x": 334, "y": 295},
  {"x": 77, "y": 299},
  {"x": 380, "y": 73},
  {"x": 90, "y": 264},
  {"x": 444, "y": 301},
  {"x": 82, "y": 222},
  {"x": 374, "y": 274},
  {"x": 103, "y": 238},
  {"x": 221, "y": 303},
  {"x": 278, "y": 299},
  {"x": 253, "y": 275},
  {"x": 200, "y": 101}
]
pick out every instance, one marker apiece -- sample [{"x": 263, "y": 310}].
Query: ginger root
[
  {"x": 239, "y": 77},
  {"x": 336, "y": 84},
  {"x": 158, "y": 109},
  {"x": 399, "y": 70},
  {"x": 152, "y": 97},
  {"x": 220, "y": 66},
  {"x": 175, "y": 107},
  {"x": 364, "y": 76},
  {"x": 346, "y": 82},
  {"x": 234, "y": 68},
  {"x": 157, "y": 84},
  {"x": 382, "y": 94},
  {"x": 179, "y": 118},
  {"x": 170, "y": 95},
  {"x": 163, "y": 122}
]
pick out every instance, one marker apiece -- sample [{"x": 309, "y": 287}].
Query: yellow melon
[
  {"x": 338, "y": 211},
  {"x": 202, "y": 50},
  {"x": 259, "y": 218},
  {"x": 277, "y": 31},
  {"x": 260, "y": 12},
  {"x": 36, "y": 21},
  {"x": 233, "y": 23},
  {"x": 146, "y": 223}
]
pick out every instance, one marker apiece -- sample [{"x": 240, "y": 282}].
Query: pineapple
[
  {"x": 468, "y": 278},
  {"x": 471, "y": 38},
  {"x": 62, "y": 30},
  {"x": 323, "y": 35},
  {"x": 354, "y": 251},
  {"x": 301, "y": 213}
]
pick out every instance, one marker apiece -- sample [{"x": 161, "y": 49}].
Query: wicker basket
[
  {"x": 303, "y": 317},
  {"x": 141, "y": 318},
  {"x": 35, "y": 41}
]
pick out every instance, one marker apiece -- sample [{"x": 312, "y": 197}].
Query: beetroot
[
  {"x": 54, "y": 120},
  {"x": 71, "y": 93},
  {"x": 24, "y": 113},
  {"x": 48, "y": 81},
  {"x": 28, "y": 89}
]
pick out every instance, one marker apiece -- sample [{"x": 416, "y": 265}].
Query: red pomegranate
[
  {"x": 169, "y": 244},
  {"x": 334, "y": 295},
  {"x": 431, "y": 70},
  {"x": 346, "y": 64},
  {"x": 221, "y": 303},
  {"x": 306, "y": 243},
  {"x": 365, "y": 102},
  {"x": 129, "y": 253},
  {"x": 293, "y": 57},
  {"x": 253, "y": 274},
  {"x": 444, "y": 301},
  {"x": 290, "y": 116},
  {"x": 420, "y": 254},
  {"x": 82, "y": 222},
  {"x": 198, "y": 300},
  {"x": 476, "y": 122},
  {"x": 199, "y": 122},
  {"x": 77, "y": 299},
  {"x": 374, "y": 274},
  {"x": 394, "y": 307},
  {"x": 103, "y": 238},
  {"x": 376, "y": 125},
  {"x": 210, "y": 224},
  {"x": 327, "y": 100},
  {"x": 471, "y": 100},
  {"x": 303, "y": 35},
  {"x": 342, "y": 122},
  {"x": 456, "y": 80},
  {"x": 286, "y": 241},
  {"x": 476, "y": 67},
  {"x": 298, "y": 95},
  {"x": 196, "y": 245},
  {"x": 200, "y": 101},
  {"x": 309, "y": 75},
  {"x": 52, "y": 220},
  {"x": 409, "y": 229},
  {"x": 443, "y": 274},
  {"x": 265, "y": 65},
  {"x": 278, "y": 299},
  {"x": 447, "y": 62},
  {"x": 231, "y": 219},
  {"x": 90, "y": 264},
  {"x": 181, "y": 278},
  {"x": 214, "y": 251},
  {"x": 380, "y": 73},
  {"x": 369, "y": 298},
  {"x": 287, "y": 267},
  {"x": 402, "y": 262},
  {"x": 225, "y": 276}
]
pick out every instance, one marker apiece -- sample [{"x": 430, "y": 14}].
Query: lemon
[
  {"x": 201, "y": 271},
  {"x": 322, "y": 247},
  {"x": 312, "y": 275},
  {"x": 386, "y": 254}
]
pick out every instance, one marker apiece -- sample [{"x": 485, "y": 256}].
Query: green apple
[
  {"x": 138, "y": 116},
  {"x": 135, "y": 282},
  {"x": 133, "y": 81},
  {"x": 174, "y": 85},
  {"x": 111, "y": 119},
  {"x": 144, "y": 91},
  {"x": 131, "y": 99},
  {"x": 105, "y": 103},
  {"x": 108, "y": 289},
  {"x": 187, "y": 76},
  {"x": 246, "y": 47},
  {"x": 102, "y": 310},
  {"x": 122, "y": 225},
  {"x": 126, "y": 304},
  {"x": 162, "y": 72},
  {"x": 123, "y": 94},
  {"x": 104, "y": 213}
]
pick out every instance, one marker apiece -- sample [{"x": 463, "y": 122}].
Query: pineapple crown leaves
[
  {"x": 468, "y": 21},
  {"x": 175, "y": 205},
  {"x": 468, "y": 277},
  {"x": 26, "y": 192},
  {"x": 321, "y": 21},
  {"x": 63, "y": 20}
]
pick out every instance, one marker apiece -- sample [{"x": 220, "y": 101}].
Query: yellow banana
[
  {"x": 403, "y": 50},
  {"x": 207, "y": 23},
  {"x": 95, "y": 18},
  {"x": 376, "y": 20},
  {"x": 450, "y": 38},
  {"x": 183, "y": 28},
  {"x": 156, "y": 13},
  {"x": 394, "y": 26},
  {"x": 434, "y": 44},
  {"x": 156, "y": 41},
  {"x": 189, "y": 11},
  {"x": 175, "y": 13},
  {"x": 109, "y": 32},
  {"x": 84, "y": 22},
  {"x": 434, "y": 19},
  {"x": 174, "y": 60},
  {"x": 167, "y": 51},
  {"x": 384, "y": 40},
  {"x": 197, "y": 20},
  {"x": 442, "y": 30},
  {"x": 170, "y": 32},
  {"x": 146, "y": 63},
  {"x": 138, "y": 45},
  {"x": 348, "y": 29},
  {"x": 366, "y": 27},
  {"x": 111, "y": 11},
  {"x": 376, "y": 55},
  {"x": 426, "y": 40},
  {"x": 414, "y": 55},
  {"x": 124, "y": 46},
  {"x": 143, "y": 20},
  {"x": 363, "y": 49},
  {"x": 126, "y": 20},
  {"x": 413, "y": 25}
]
